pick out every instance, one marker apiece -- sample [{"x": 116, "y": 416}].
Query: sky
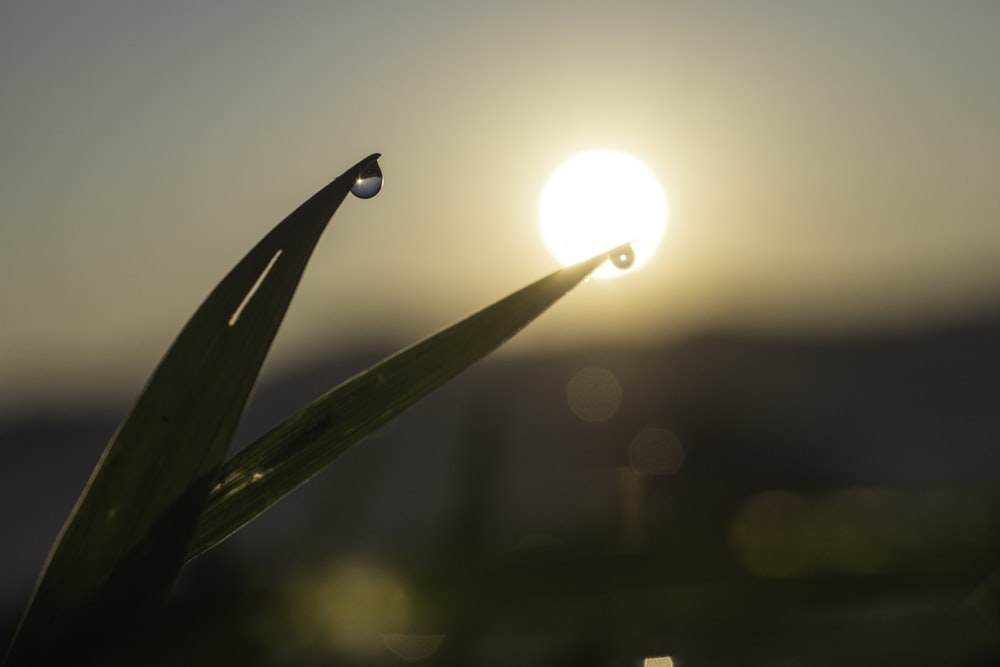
[{"x": 830, "y": 167}]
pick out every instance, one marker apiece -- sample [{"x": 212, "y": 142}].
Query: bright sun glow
[{"x": 598, "y": 200}]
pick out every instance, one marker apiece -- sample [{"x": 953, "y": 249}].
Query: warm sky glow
[
  {"x": 598, "y": 200},
  {"x": 829, "y": 167}
]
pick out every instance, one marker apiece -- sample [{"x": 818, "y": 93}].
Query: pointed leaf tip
[
  {"x": 290, "y": 454},
  {"x": 128, "y": 534}
]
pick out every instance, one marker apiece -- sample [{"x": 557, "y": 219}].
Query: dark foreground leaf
[
  {"x": 300, "y": 447},
  {"x": 129, "y": 533}
]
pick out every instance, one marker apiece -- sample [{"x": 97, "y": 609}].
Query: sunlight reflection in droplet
[
  {"x": 623, "y": 257},
  {"x": 369, "y": 181},
  {"x": 593, "y": 394}
]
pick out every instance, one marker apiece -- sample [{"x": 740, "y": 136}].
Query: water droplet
[
  {"x": 622, "y": 256},
  {"x": 369, "y": 181}
]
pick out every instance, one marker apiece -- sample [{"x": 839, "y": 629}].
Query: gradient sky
[{"x": 831, "y": 167}]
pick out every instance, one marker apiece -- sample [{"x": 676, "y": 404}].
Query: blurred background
[{"x": 777, "y": 439}]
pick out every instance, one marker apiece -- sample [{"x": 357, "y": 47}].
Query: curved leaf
[
  {"x": 128, "y": 535},
  {"x": 300, "y": 447}
]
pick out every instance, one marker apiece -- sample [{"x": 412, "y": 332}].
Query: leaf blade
[
  {"x": 295, "y": 450},
  {"x": 114, "y": 552}
]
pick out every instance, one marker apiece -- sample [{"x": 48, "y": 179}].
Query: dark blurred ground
[{"x": 721, "y": 501}]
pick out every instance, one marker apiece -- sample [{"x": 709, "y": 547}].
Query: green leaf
[
  {"x": 300, "y": 447},
  {"x": 128, "y": 535}
]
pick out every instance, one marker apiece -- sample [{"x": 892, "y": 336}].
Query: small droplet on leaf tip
[
  {"x": 369, "y": 181},
  {"x": 623, "y": 256}
]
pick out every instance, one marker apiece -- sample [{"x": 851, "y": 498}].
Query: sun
[{"x": 598, "y": 200}]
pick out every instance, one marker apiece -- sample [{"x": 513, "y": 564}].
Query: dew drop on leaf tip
[
  {"x": 369, "y": 181},
  {"x": 623, "y": 256}
]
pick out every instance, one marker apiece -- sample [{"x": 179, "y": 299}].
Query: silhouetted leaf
[
  {"x": 129, "y": 533},
  {"x": 300, "y": 447}
]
